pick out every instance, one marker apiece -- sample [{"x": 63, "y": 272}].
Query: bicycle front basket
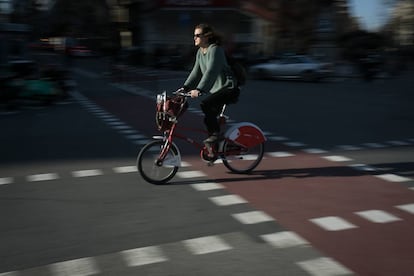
[{"x": 168, "y": 110}]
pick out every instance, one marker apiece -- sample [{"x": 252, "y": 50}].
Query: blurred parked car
[{"x": 292, "y": 67}]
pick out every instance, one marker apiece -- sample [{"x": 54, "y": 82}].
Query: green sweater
[{"x": 210, "y": 73}]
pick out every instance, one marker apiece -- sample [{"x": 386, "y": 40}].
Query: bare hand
[{"x": 194, "y": 93}]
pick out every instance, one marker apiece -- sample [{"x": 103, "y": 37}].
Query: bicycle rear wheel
[
  {"x": 158, "y": 172},
  {"x": 239, "y": 159}
]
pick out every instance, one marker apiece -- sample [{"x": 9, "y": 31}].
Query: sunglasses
[{"x": 198, "y": 35}]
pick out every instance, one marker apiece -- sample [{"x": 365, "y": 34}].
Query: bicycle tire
[
  {"x": 246, "y": 159},
  {"x": 147, "y": 163}
]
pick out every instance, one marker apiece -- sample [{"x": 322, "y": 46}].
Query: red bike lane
[{"x": 347, "y": 214}]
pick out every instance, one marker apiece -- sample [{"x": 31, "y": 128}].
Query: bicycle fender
[{"x": 245, "y": 134}]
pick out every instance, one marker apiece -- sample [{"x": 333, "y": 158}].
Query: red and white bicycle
[{"x": 240, "y": 150}]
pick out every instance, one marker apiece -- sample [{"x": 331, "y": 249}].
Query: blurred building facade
[{"x": 256, "y": 27}]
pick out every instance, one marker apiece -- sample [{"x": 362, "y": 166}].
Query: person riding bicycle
[{"x": 211, "y": 76}]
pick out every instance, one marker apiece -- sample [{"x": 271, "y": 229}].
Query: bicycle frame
[
  {"x": 244, "y": 135},
  {"x": 240, "y": 150}
]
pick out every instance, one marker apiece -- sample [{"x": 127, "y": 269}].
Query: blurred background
[{"x": 159, "y": 33}]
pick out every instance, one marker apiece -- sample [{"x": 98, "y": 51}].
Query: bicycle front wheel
[
  {"x": 153, "y": 170},
  {"x": 239, "y": 159}
]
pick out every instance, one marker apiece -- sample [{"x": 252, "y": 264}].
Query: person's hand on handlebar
[{"x": 195, "y": 93}]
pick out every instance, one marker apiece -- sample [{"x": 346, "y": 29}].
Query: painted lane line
[
  {"x": 125, "y": 169},
  {"x": 115, "y": 123},
  {"x": 143, "y": 256},
  {"x": 324, "y": 266},
  {"x": 374, "y": 145},
  {"x": 362, "y": 167},
  {"x": 332, "y": 223},
  {"x": 136, "y": 136},
  {"x": 78, "y": 267},
  {"x": 284, "y": 239},
  {"x": 206, "y": 245},
  {"x": 123, "y": 126},
  {"x": 111, "y": 119},
  {"x": 42, "y": 177},
  {"x": 294, "y": 144},
  {"x": 393, "y": 177},
  {"x": 105, "y": 116},
  {"x": 6, "y": 180},
  {"x": 207, "y": 186},
  {"x": 87, "y": 173},
  {"x": 185, "y": 164},
  {"x": 337, "y": 158},
  {"x": 141, "y": 142},
  {"x": 278, "y": 138},
  {"x": 128, "y": 131},
  {"x": 398, "y": 143},
  {"x": 407, "y": 207},
  {"x": 252, "y": 217},
  {"x": 348, "y": 147},
  {"x": 227, "y": 200},
  {"x": 191, "y": 174},
  {"x": 10, "y": 273},
  {"x": 315, "y": 151},
  {"x": 279, "y": 154},
  {"x": 377, "y": 216}
]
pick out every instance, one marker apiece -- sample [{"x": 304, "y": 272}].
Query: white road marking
[
  {"x": 87, "y": 173},
  {"x": 78, "y": 267},
  {"x": 337, "y": 158},
  {"x": 398, "y": 143},
  {"x": 284, "y": 239},
  {"x": 207, "y": 186},
  {"x": 407, "y": 207},
  {"x": 374, "y": 145},
  {"x": 143, "y": 256},
  {"x": 294, "y": 144},
  {"x": 279, "y": 154},
  {"x": 393, "y": 177},
  {"x": 6, "y": 180},
  {"x": 121, "y": 127},
  {"x": 278, "y": 138},
  {"x": 315, "y": 151},
  {"x": 125, "y": 169},
  {"x": 206, "y": 245},
  {"x": 252, "y": 217},
  {"x": 42, "y": 177},
  {"x": 136, "y": 136},
  {"x": 333, "y": 223},
  {"x": 378, "y": 216},
  {"x": 227, "y": 200},
  {"x": 324, "y": 266},
  {"x": 362, "y": 167},
  {"x": 10, "y": 273},
  {"x": 191, "y": 174},
  {"x": 348, "y": 147}
]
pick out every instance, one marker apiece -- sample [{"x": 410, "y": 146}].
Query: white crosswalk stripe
[
  {"x": 143, "y": 256},
  {"x": 378, "y": 216}
]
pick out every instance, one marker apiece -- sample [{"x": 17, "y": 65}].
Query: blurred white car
[{"x": 291, "y": 67}]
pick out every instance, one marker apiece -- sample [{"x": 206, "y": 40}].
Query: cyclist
[{"x": 210, "y": 76}]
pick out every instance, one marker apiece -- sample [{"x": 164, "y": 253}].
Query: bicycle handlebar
[{"x": 182, "y": 92}]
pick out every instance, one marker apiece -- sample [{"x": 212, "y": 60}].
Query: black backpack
[{"x": 239, "y": 72}]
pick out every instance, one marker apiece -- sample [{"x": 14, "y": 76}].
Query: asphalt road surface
[{"x": 333, "y": 195}]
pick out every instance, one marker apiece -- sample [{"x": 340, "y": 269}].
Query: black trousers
[{"x": 212, "y": 106}]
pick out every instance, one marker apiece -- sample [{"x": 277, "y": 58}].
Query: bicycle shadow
[{"x": 404, "y": 168}]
